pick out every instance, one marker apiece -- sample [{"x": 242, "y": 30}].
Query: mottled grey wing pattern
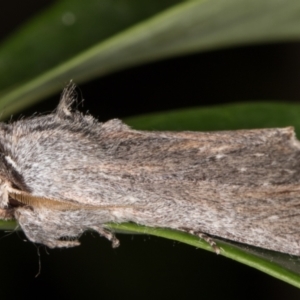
[{"x": 241, "y": 185}]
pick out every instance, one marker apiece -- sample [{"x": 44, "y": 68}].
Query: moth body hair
[{"x": 64, "y": 173}]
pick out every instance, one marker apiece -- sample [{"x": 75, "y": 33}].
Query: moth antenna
[
  {"x": 67, "y": 99},
  {"x": 21, "y": 198}
]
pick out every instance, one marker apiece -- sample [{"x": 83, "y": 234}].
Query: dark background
[{"x": 148, "y": 267}]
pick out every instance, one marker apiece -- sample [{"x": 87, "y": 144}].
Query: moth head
[{"x": 29, "y": 146}]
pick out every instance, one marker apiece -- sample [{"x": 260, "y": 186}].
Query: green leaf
[
  {"x": 282, "y": 266},
  {"x": 223, "y": 117},
  {"x": 107, "y": 37},
  {"x": 66, "y": 29}
]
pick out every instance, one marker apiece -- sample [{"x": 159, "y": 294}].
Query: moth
[{"x": 64, "y": 173}]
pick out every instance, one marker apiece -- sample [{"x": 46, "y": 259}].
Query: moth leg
[
  {"x": 36, "y": 235},
  {"x": 60, "y": 244},
  {"x": 39, "y": 231},
  {"x": 6, "y": 214},
  {"x": 107, "y": 234},
  {"x": 204, "y": 237}
]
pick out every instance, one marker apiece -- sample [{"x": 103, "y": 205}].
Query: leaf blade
[{"x": 188, "y": 27}]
